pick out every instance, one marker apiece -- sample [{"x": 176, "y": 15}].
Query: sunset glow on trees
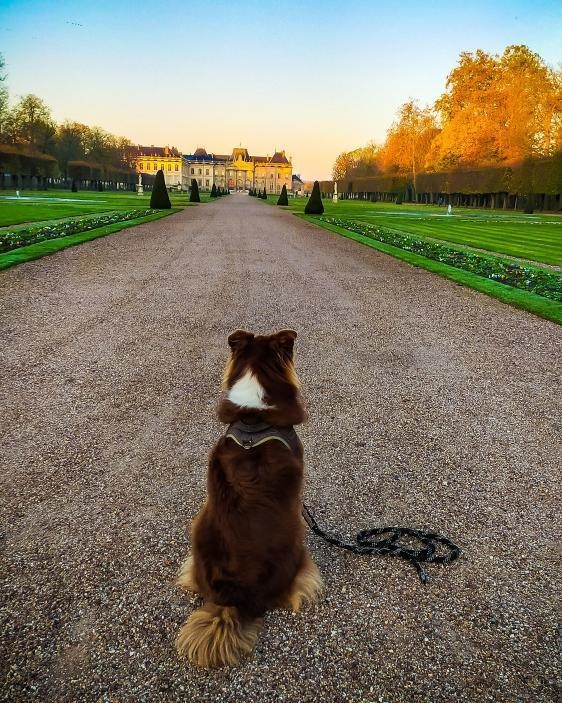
[{"x": 495, "y": 111}]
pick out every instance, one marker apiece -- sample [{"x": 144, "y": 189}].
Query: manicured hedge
[
  {"x": 530, "y": 278},
  {"x": 31, "y": 235}
]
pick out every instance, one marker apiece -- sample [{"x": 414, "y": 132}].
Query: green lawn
[
  {"x": 44, "y": 206},
  {"x": 47, "y": 207},
  {"x": 51, "y": 246},
  {"x": 534, "y": 237}
]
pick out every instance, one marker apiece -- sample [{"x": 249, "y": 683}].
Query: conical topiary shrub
[
  {"x": 74, "y": 187},
  {"x": 283, "y": 199},
  {"x": 263, "y": 195},
  {"x": 214, "y": 191},
  {"x": 194, "y": 195},
  {"x": 314, "y": 205},
  {"x": 159, "y": 198}
]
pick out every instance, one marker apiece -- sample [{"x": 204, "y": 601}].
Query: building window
[
  {"x": 199, "y": 171},
  {"x": 207, "y": 182},
  {"x": 192, "y": 171},
  {"x": 141, "y": 166},
  {"x": 177, "y": 168},
  {"x": 199, "y": 181},
  {"x": 170, "y": 167}
]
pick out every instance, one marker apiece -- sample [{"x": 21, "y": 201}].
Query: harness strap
[
  {"x": 250, "y": 443},
  {"x": 249, "y": 436}
]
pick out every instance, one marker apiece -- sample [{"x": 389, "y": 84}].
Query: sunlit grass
[
  {"x": 52, "y": 205},
  {"x": 534, "y": 237}
]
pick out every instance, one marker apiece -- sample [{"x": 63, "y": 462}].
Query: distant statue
[
  {"x": 140, "y": 189},
  {"x": 450, "y": 209},
  {"x": 140, "y": 179},
  {"x": 17, "y": 194},
  {"x": 335, "y": 196}
]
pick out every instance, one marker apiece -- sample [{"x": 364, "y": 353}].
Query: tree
[
  {"x": 194, "y": 195},
  {"x": 32, "y": 124},
  {"x": 408, "y": 141},
  {"x": 214, "y": 191},
  {"x": 69, "y": 144},
  {"x": 359, "y": 162},
  {"x": 344, "y": 165},
  {"x": 314, "y": 205},
  {"x": 498, "y": 110},
  {"x": 283, "y": 199},
  {"x": 159, "y": 198}
]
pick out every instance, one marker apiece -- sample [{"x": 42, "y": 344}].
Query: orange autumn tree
[
  {"x": 408, "y": 141},
  {"x": 497, "y": 110},
  {"x": 364, "y": 161}
]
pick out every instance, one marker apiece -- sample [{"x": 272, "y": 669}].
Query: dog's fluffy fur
[{"x": 248, "y": 552}]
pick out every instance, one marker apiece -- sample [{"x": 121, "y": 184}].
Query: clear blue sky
[{"x": 314, "y": 78}]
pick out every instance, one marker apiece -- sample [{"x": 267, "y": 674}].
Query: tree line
[
  {"x": 34, "y": 146},
  {"x": 497, "y": 111}
]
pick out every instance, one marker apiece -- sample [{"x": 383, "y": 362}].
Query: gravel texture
[{"x": 431, "y": 406}]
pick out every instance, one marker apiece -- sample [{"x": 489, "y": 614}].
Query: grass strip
[
  {"x": 543, "y": 307},
  {"x": 51, "y": 246}
]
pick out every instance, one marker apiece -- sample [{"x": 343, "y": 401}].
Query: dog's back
[
  {"x": 250, "y": 532},
  {"x": 248, "y": 553}
]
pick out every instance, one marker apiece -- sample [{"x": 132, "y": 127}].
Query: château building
[
  {"x": 240, "y": 170},
  {"x": 150, "y": 159},
  {"x": 236, "y": 171}
]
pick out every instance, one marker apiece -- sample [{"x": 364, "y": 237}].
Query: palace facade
[
  {"x": 150, "y": 159},
  {"x": 240, "y": 170},
  {"x": 236, "y": 171}
]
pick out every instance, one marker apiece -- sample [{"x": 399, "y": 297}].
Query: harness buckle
[{"x": 247, "y": 443}]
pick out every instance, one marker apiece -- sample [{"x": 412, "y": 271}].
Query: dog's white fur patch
[{"x": 248, "y": 392}]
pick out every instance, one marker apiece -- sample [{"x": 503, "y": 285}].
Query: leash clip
[{"x": 247, "y": 443}]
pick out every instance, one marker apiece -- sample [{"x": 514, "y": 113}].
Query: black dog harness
[
  {"x": 248, "y": 435},
  {"x": 434, "y": 548}
]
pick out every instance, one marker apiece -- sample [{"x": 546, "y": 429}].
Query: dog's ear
[
  {"x": 239, "y": 339},
  {"x": 284, "y": 340}
]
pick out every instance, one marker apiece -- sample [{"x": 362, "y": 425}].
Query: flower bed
[
  {"x": 31, "y": 235},
  {"x": 530, "y": 278}
]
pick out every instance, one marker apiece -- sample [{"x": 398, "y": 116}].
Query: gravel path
[{"x": 430, "y": 404}]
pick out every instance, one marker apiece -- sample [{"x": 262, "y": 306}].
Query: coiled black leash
[{"x": 389, "y": 544}]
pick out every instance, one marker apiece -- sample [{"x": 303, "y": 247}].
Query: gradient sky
[{"x": 313, "y": 78}]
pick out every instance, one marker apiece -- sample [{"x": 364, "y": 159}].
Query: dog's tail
[{"x": 216, "y": 635}]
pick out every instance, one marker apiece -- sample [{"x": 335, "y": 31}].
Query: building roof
[
  {"x": 297, "y": 179},
  {"x": 242, "y": 153},
  {"x": 279, "y": 158},
  {"x": 201, "y": 154},
  {"x": 160, "y": 151}
]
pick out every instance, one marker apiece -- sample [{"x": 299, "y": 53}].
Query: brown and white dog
[{"x": 248, "y": 551}]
